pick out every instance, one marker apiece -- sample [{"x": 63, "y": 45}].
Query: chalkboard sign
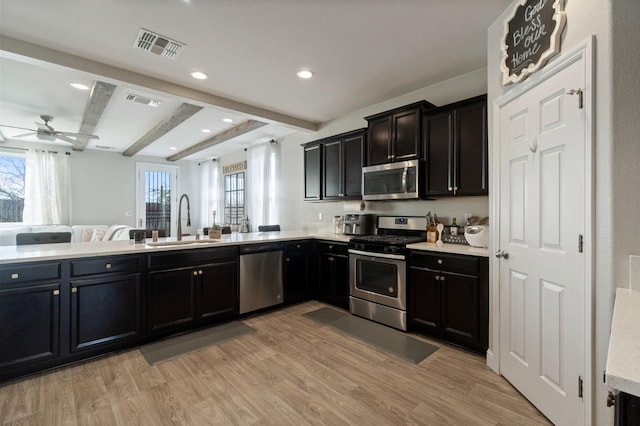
[{"x": 531, "y": 37}]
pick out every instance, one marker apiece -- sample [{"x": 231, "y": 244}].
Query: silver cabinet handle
[
  {"x": 502, "y": 254},
  {"x": 74, "y": 289},
  {"x": 108, "y": 266},
  {"x": 15, "y": 276}
]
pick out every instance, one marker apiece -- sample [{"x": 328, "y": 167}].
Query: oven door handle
[{"x": 374, "y": 255}]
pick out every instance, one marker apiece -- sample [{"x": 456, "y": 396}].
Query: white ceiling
[{"x": 361, "y": 51}]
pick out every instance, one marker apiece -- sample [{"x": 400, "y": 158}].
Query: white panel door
[{"x": 542, "y": 215}]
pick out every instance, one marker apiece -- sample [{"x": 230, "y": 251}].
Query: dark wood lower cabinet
[
  {"x": 627, "y": 410},
  {"x": 105, "y": 311},
  {"x": 217, "y": 292},
  {"x": 201, "y": 289},
  {"x": 300, "y": 269},
  {"x": 448, "y": 298},
  {"x": 333, "y": 274},
  {"x": 29, "y": 325},
  {"x": 171, "y": 299}
]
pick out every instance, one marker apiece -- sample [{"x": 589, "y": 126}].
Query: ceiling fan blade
[
  {"x": 22, "y": 135},
  {"x": 60, "y": 136},
  {"x": 14, "y": 127},
  {"x": 76, "y": 135}
]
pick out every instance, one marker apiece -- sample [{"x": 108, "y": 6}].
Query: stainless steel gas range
[{"x": 378, "y": 270}]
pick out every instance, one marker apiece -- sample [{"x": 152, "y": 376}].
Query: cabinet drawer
[
  {"x": 446, "y": 262},
  {"x": 25, "y": 272},
  {"x": 333, "y": 248},
  {"x": 299, "y": 247},
  {"x": 191, "y": 257},
  {"x": 101, "y": 265}
]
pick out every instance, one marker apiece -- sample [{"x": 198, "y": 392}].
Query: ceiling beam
[
  {"x": 240, "y": 129},
  {"x": 19, "y": 50},
  {"x": 183, "y": 112},
  {"x": 98, "y": 99}
]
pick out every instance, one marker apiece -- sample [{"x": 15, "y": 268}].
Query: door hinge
[
  {"x": 579, "y": 386},
  {"x": 580, "y": 243},
  {"x": 580, "y": 94}
]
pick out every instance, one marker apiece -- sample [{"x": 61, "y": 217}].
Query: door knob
[{"x": 502, "y": 254}]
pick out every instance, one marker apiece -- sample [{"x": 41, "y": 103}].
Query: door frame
[
  {"x": 175, "y": 171},
  {"x": 584, "y": 51}
]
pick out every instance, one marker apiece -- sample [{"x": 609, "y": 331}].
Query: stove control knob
[{"x": 390, "y": 290}]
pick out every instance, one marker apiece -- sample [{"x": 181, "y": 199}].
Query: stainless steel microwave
[{"x": 391, "y": 181}]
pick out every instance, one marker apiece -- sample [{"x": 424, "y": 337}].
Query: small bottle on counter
[
  {"x": 453, "y": 230},
  {"x": 154, "y": 235}
]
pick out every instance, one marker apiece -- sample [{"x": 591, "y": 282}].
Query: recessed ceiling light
[
  {"x": 206, "y": 131},
  {"x": 228, "y": 120},
  {"x": 305, "y": 74},
  {"x": 173, "y": 148},
  {"x": 199, "y": 75},
  {"x": 79, "y": 86}
]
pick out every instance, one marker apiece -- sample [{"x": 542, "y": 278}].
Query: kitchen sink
[{"x": 182, "y": 242}]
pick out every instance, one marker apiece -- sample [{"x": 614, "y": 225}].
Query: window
[
  {"x": 12, "y": 170},
  {"x": 234, "y": 198},
  {"x": 156, "y": 195}
]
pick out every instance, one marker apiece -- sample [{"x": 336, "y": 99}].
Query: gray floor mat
[
  {"x": 173, "y": 347},
  {"x": 378, "y": 335}
]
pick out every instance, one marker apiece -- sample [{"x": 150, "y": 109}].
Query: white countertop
[
  {"x": 29, "y": 253},
  {"x": 451, "y": 248},
  {"x": 37, "y": 252},
  {"x": 623, "y": 359}
]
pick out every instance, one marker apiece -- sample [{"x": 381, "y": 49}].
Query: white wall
[
  {"x": 299, "y": 214},
  {"x": 616, "y": 152}
]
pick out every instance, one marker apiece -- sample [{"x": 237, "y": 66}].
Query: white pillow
[
  {"x": 98, "y": 234},
  {"x": 112, "y": 231},
  {"x": 87, "y": 234}
]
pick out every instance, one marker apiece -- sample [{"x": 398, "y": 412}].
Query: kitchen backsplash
[{"x": 446, "y": 209}]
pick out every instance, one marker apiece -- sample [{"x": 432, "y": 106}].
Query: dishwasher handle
[{"x": 260, "y": 248}]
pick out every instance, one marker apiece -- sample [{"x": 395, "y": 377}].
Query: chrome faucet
[{"x": 180, "y": 215}]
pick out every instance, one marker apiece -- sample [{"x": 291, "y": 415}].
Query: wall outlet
[
  {"x": 320, "y": 216},
  {"x": 128, "y": 214}
]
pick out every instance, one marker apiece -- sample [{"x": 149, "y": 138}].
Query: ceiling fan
[{"x": 48, "y": 133}]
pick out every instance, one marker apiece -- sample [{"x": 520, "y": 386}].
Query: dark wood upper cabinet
[
  {"x": 456, "y": 149},
  {"x": 312, "y": 172},
  {"x": 333, "y": 167},
  {"x": 395, "y": 135},
  {"x": 342, "y": 166}
]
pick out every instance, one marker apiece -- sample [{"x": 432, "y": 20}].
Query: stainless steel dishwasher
[{"x": 260, "y": 276}]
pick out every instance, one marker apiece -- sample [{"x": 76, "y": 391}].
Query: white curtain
[
  {"x": 47, "y": 188},
  {"x": 263, "y": 162},
  {"x": 210, "y": 183}
]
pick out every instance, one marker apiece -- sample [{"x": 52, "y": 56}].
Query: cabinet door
[
  {"x": 29, "y": 325},
  {"x": 352, "y": 158},
  {"x": 171, "y": 299},
  {"x": 379, "y": 141},
  {"x": 217, "y": 291},
  {"x": 312, "y": 172},
  {"x": 438, "y": 150},
  {"x": 406, "y": 135},
  {"x": 104, "y": 311},
  {"x": 296, "y": 276},
  {"x": 471, "y": 150},
  {"x": 424, "y": 301},
  {"x": 460, "y": 304},
  {"x": 332, "y": 170},
  {"x": 325, "y": 277},
  {"x": 341, "y": 281}
]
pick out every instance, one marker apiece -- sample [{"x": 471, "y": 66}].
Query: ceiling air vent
[
  {"x": 160, "y": 45},
  {"x": 142, "y": 100}
]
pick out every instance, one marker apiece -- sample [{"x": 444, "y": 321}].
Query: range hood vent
[
  {"x": 157, "y": 44},
  {"x": 142, "y": 100}
]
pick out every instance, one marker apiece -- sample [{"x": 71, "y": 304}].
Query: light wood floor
[{"x": 293, "y": 371}]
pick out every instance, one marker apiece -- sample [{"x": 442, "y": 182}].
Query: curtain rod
[{"x": 14, "y": 148}]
